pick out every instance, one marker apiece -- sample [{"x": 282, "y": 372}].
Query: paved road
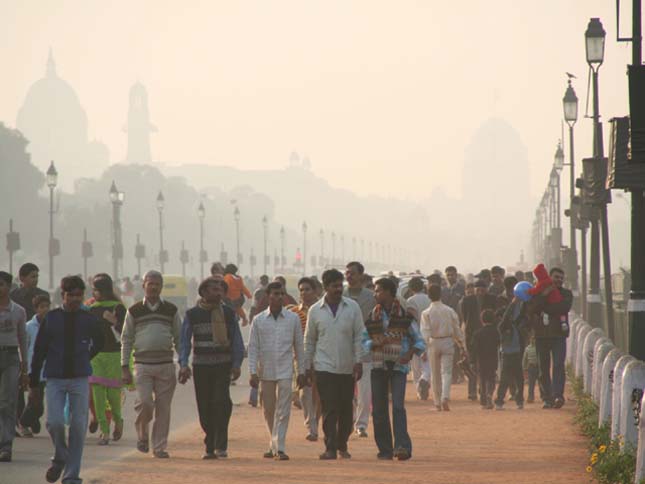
[{"x": 31, "y": 456}]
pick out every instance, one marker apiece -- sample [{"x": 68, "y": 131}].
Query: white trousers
[
  {"x": 276, "y": 403},
  {"x": 363, "y": 398},
  {"x": 441, "y": 352},
  {"x": 420, "y": 370}
]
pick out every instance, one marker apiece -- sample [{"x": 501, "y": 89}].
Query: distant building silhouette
[
  {"x": 55, "y": 124},
  {"x": 139, "y": 126}
]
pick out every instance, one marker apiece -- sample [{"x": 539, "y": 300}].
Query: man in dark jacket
[
  {"x": 471, "y": 310},
  {"x": 217, "y": 358},
  {"x": 551, "y": 329},
  {"x": 67, "y": 340}
]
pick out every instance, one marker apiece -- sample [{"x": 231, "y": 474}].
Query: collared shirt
[
  {"x": 32, "y": 327},
  {"x": 12, "y": 327},
  {"x": 333, "y": 343},
  {"x": 440, "y": 321},
  {"x": 272, "y": 344}
]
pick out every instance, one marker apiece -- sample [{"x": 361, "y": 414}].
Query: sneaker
[
  {"x": 54, "y": 472},
  {"x": 5, "y": 455},
  {"x": 312, "y": 438},
  {"x": 143, "y": 446},
  {"x": 559, "y": 403},
  {"x": 103, "y": 440},
  {"x": 268, "y": 454},
  {"x": 161, "y": 454},
  {"x": 36, "y": 427},
  {"x": 499, "y": 406},
  {"x": 444, "y": 406},
  {"x": 344, "y": 454},
  {"x": 328, "y": 455},
  {"x": 361, "y": 432},
  {"x": 402, "y": 454},
  {"x": 384, "y": 456},
  {"x": 221, "y": 454},
  {"x": 209, "y": 456},
  {"x": 281, "y": 456}
]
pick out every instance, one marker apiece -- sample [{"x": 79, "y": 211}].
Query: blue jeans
[
  {"x": 9, "y": 381},
  {"x": 68, "y": 453},
  {"x": 551, "y": 348},
  {"x": 395, "y": 380}
]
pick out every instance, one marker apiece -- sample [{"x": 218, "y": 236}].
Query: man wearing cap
[
  {"x": 471, "y": 309},
  {"x": 212, "y": 329},
  {"x": 497, "y": 281}
]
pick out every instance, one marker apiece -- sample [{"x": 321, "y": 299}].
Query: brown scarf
[{"x": 218, "y": 322}]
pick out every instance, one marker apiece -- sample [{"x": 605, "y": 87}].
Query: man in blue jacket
[{"x": 67, "y": 340}]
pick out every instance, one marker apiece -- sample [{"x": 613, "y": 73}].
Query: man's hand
[
  {"x": 301, "y": 381},
  {"x": 405, "y": 359},
  {"x": 254, "y": 381},
  {"x": 235, "y": 373},
  {"x": 126, "y": 376},
  {"x": 184, "y": 375},
  {"x": 358, "y": 371}
]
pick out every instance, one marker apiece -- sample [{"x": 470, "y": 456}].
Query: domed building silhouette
[{"x": 55, "y": 123}]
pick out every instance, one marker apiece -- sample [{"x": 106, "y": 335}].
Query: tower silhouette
[{"x": 139, "y": 126}]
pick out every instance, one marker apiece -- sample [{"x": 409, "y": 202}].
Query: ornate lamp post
[
  {"x": 163, "y": 254},
  {"x": 54, "y": 246},
  {"x": 117, "y": 198}
]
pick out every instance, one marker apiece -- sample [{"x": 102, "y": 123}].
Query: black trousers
[
  {"x": 212, "y": 391},
  {"x": 336, "y": 396},
  {"x": 472, "y": 382},
  {"x": 512, "y": 373},
  {"x": 487, "y": 377}
]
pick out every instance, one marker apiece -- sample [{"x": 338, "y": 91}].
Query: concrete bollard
[
  {"x": 607, "y": 385},
  {"x": 616, "y": 401},
  {"x": 631, "y": 396},
  {"x": 571, "y": 342},
  {"x": 601, "y": 350},
  {"x": 640, "y": 452},
  {"x": 590, "y": 340},
  {"x": 584, "y": 330}
]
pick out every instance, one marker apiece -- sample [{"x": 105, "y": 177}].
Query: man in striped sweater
[{"x": 152, "y": 329}]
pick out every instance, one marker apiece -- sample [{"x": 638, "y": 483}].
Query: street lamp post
[
  {"x": 304, "y": 248},
  {"x": 265, "y": 226},
  {"x": 282, "y": 259},
  {"x": 52, "y": 180},
  {"x": 201, "y": 214},
  {"x": 162, "y": 253},
  {"x": 117, "y": 198},
  {"x": 183, "y": 258},
  {"x": 236, "y": 217},
  {"x": 556, "y": 231},
  {"x": 139, "y": 253},
  {"x": 86, "y": 252},
  {"x": 570, "y": 108}
]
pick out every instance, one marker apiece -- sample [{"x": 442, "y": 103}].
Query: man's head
[
  {"x": 470, "y": 289},
  {"x": 41, "y": 305},
  {"x": 519, "y": 275},
  {"x": 509, "y": 284},
  {"x": 72, "y": 289},
  {"x": 434, "y": 279},
  {"x": 451, "y": 275},
  {"x": 557, "y": 275},
  {"x": 416, "y": 284},
  {"x": 28, "y": 275},
  {"x": 212, "y": 289},
  {"x": 488, "y": 317},
  {"x": 384, "y": 291},
  {"x": 275, "y": 293},
  {"x": 282, "y": 281},
  {"x": 217, "y": 269},
  {"x": 497, "y": 275},
  {"x": 307, "y": 291},
  {"x": 152, "y": 285},
  {"x": 354, "y": 273},
  {"x": 481, "y": 288},
  {"x": 5, "y": 284},
  {"x": 434, "y": 292},
  {"x": 332, "y": 280},
  {"x": 264, "y": 280},
  {"x": 230, "y": 269},
  {"x": 484, "y": 275}
]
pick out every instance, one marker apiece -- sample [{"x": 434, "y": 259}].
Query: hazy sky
[{"x": 383, "y": 96}]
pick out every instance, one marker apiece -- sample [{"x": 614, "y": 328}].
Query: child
[
  {"x": 237, "y": 291},
  {"x": 485, "y": 346},
  {"x": 30, "y": 419},
  {"x": 512, "y": 344},
  {"x": 530, "y": 365}
]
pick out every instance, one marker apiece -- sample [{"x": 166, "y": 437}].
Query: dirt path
[{"x": 465, "y": 445}]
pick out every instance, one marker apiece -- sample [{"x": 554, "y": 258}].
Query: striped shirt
[{"x": 301, "y": 311}]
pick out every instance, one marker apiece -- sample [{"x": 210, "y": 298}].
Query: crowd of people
[{"x": 342, "y": 353}]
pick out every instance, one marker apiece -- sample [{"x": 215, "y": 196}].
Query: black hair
[
  {"x": 230, "y": 269},
  {"x": 264, "y": 277},
  {"x": 216, "y": 267},
  {"x": 556, "y": 269},
  {"x": 71, "y": 283},
  {"x": 357, "y": 265},
  {"x": 307, "y": 280},
  {"x": 273, "y": 286},
  {"x": 434, "y": 279},
  {"x": 27, "y": 269},
  {"x": 387, "y": 284},
  {"x": 39, "y": 299},
  {"x": 212, "y": 280},
  {"x": 497, "y": 270},
  {"x": 488, "y": 316},
  {"x": 434, "y": 291},
  {"x": 6, "y": 277},
  {"x": 330, "y": 276},
  {"x": 416, "y": 284},
  {"x": 103, "y": 283},
  {"x": 510, "y": 281},
  {"x": 451, "y": 269}
]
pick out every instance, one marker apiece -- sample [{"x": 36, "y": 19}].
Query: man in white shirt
[
  {"x": 276, "y": 334},
  {"x": 420, "y": 365},
  {"x": 440, "y": 328},
  {"x": 333, "y": 348}
]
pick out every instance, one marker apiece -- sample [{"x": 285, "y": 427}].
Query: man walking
[
  {"x": 333, "y": 348},
  {"x": 308, "y": 394},
  {"x": 67, "y": 340},
  {"x": 212, "y": 329},
  {"x": 354, "y": 272},
  {"x": 392, "y": 340},
  {"x": 416, "y": 304},
  {"x": 13, "y": 364},
  {"x": 152, "y": 329},
  {"x": 276, "y": 335}
]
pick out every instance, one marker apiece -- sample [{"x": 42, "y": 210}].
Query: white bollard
[
  {"x": 633, "y": 384},
  {"x": 616, "y": 402},
  {"x": 590, "y": 340},
  {"x": 584, "y": 330},
  {"x": 607, "y": 385},
  {"x": 571, "y": 342},
  {"x": 600, "y": 352},
  {"x": 640, "y": 453}
]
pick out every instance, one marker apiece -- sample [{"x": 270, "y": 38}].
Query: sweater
[
  {"x": 151, "y": 331},
  {"x": 112, "y": 342},
  {"x": 485, "y": 344}
]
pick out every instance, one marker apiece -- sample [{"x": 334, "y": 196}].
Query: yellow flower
[
  {"x": 589, "y": 469},
  {"x": 602, "y": 449},
  {"x": 594, "y": 459}
]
